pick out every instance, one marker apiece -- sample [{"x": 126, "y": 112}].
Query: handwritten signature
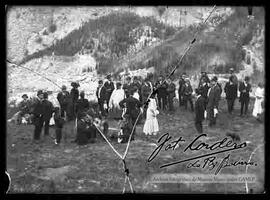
[{"x": 166, "y": 143}]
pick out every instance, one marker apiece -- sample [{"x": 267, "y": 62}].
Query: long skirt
[
  {"x": 257, "y": 107},
  {"x": 151, "y": 126}
]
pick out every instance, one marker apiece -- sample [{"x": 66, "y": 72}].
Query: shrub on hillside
[{"x": 52, "y": 28}]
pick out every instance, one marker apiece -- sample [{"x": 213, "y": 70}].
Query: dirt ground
[{"x": 95, "y": 168}]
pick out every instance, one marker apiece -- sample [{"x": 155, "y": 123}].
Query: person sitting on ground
[
  {"x": 86, "y": 132},
  {"x": 23, "y": 108}
]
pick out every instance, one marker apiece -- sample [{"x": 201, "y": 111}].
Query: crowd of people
[{"x": 124, "y": 101}]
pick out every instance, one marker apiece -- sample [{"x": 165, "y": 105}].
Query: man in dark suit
[
  {"x": 204, "y": 87},
  {"x": 109, "y": 86},
  {"x": 136, "y": 84},
  {"x": 133, "y": 107},
  {"x": 180, "y": 89},
  {"x": 101, "y": 96},
  {"x": 74, "y": 96},
  {"x": 205, "y": 77},
  {"x": 199, "y": 110},
  {"x": 244, "y": 89},
  {"x": 82, "y": 104},
  {"x": 47, "y": 113},
  {"x": 127, "y": 86},
  {"x": 171, "y": 94},
  {"x": 161, "y": 93},
  {"x": 187, "y": 94},
  {"x": 38, "y": 115},
  {"x": 212, "y": 101},
  {"x": 231, "y": 94},
  {"x": 62, "y": 98}
]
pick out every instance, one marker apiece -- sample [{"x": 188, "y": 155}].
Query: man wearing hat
[
  {"x": 74, "y": 96},
  {"x": 234, "y": 77},
  {"x": 161, "y": 93},
  {"x": 24, "y": 107},
  {"x": 205, "y": 77},
  {"x": 213, "y": 101},
  {"x": 181, "y": 84},
  {"x": 62, "y": 98},
  {"x": 47, "y": 111},
  {"x": 127, "y": 86},
  {"x": 170, "y": 93},
  {"x": 199, "y": 110},
  {"x": 187, "y": 94},
  {"x": 244, "y": 89},
  {"x": 38, "y": 115},
  {"x": 109, "y": 87},
  {"x": 82, "y": 104},
  {"x": 101, "y": 96}
]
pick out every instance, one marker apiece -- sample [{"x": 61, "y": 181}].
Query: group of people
[{"x": 125, "y": 101}]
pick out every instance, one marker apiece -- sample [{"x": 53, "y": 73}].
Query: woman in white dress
[
  {"x": 259, "y": 95},
  {"x": 151, "y": 124},
  {"x": 117, "y": 95}
]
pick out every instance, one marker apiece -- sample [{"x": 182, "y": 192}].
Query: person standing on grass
[
  {"x": 47, "y": 113},
  {"x": 187, "y": 94},
  {"x": 231, "y": 94},
  {"x": 244, "y": 89},
  {"x": 170, "y": 93},
  {"x": 59, "y": 124},
  {"x": 133, "y": 108},
  {"x": 101, "y": 96},
  {"x": 259, "y": 95},
  {"x": 213, "y": 101},
  {"x": 117, "y": 96},
  {"x": 181, "y": 84},
  {"x": 73, "y": 98},
  {"x": 82, "y": 104},
  {"x": 62, "y": 98},
  {"x": 161, "y": 93},
  {"x": 38, "y": 115},
  {"x": 204, "y": 87},
  {"x": 199, "y": 110},
  {"x": 109, "y": 87},
  {"x": 151, "y": 124}
]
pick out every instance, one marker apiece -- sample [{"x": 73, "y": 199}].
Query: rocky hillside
[{"x": 82, "y": 43}]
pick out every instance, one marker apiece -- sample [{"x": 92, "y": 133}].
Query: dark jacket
[
  {"x": 199, "y": 108},
  {"x": 47, "y": 109},
  {"x": 103, "y": 94},
  {"x": 207, "y": 80},
  {"x": 230, "y": 91},
  {"x": 109, "y": 87},
  {"x": 161, "y": 89},
  {"x": 146, "y": 90},
  {"x": 204, "y": 89},
  {"x": 82, "y": 105},
  {"x": 59, "y": 121},
  {"x": 24, "y": 107},
  {"x": 171, "y": 90},
  {"x": 127, "y": 88},
  {"x": 181, "y": 84},
  {"x": 62, "y": 98},
  {"x": 244, "y": 91},
  {"x": 187, "y": 90},
  {"x": 74, "y": 95},
  {"x": 213, "y": 98},
  {"x": 133, "y": 106}
]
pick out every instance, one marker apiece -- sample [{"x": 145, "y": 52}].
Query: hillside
[{"x": 82, "y": 43}]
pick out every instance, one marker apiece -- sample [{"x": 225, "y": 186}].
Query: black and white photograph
[{"x": 135, "y": 99}]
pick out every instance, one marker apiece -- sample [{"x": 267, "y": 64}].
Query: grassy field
[{"x": 95, "y": 168}]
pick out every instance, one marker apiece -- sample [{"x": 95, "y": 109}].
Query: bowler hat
[
  {"x": 64, "y": 87},
  {"x": 39, "y": 92},
  {"x": 25, "y": 95},
  {"x": 214, "y": 79}
]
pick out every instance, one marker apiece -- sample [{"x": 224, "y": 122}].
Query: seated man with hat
[{"x": 24, "y": 108}]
